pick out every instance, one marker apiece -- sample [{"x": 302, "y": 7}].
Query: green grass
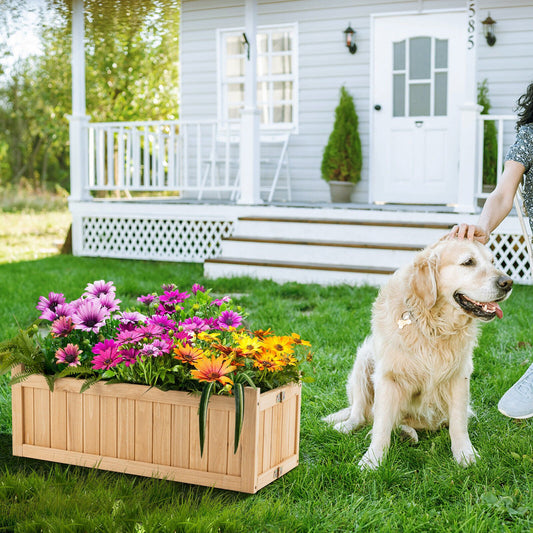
[{"x": 418, "y": 489}]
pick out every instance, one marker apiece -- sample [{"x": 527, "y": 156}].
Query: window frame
[{"x": 222, "y": 79}]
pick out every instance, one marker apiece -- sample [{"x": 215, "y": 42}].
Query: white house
[{"x": 260, "y": 80}]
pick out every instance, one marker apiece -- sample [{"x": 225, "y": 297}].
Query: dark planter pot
[{"x": 341, "y": 191}]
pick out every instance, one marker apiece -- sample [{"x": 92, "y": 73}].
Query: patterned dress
[{"x": 522, "y": 152}]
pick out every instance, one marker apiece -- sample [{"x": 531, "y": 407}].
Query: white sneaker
[{"x": 517, "y": 402}]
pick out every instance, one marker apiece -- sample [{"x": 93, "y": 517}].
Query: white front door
[{"x": 418, "y": 85}]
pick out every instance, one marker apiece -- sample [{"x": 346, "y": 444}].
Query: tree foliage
[
  {"x": 490, "y": 137},
  {"x": 131, "y": 74},
  {"x": 342, "y": 159}
]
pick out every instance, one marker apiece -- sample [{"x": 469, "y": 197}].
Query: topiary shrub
[
  {"x": 490, "y": 137},
  {"x": 342, "y": 159}
]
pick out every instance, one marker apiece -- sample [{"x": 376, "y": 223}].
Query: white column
[
  {"x": 468, "y": 113},
  {"x": 78, "y": 120},
  {"x": 249, "y": 138}
]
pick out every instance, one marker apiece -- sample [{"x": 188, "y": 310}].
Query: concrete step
[
  {"x": 385, "y": 231},
  {"x": 285, "y": 271},
  {"x": 316, "y": 251}
]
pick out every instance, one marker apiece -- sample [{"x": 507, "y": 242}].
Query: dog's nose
[{"x": 505, "y": 282}]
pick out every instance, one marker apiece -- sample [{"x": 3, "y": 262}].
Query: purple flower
[
  {"x": 163, "y": 321},
  {"x": 170, "y": 300},
  {"x": 129, "y": 356},
  {"x": 168, "y": 287},
  {"x": 99, "y": 288},
  {"x": 129, "y": 336},
  {"x": 109, "y": 302},
  {"x": 151, "y": 330},
  {"x": 61, "y": 327},
  {"x": 195, "y": 324},
  {"x": 90, "y": 316},
  {"x": 147, "y": 299},
  {"x": 70, "y": 355},
  {"x": 184, "y": 336},
  {"x": 48, "y": 305},
  {"x": 107, "y": 355},
  {"x": 229, "y": 319},
  {"x": 221, "y": 301},
  {"x": 154, "y": 349},
  {"x": 129, "y": 320},
  {"x": 197, "y": 288},
  {"x": 65, "y": 310}
]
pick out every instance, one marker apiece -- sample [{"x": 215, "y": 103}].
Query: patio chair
[{"x": 522, "y": 214}]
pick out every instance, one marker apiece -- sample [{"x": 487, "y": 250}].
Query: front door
[{"x": 418, "y": 86}]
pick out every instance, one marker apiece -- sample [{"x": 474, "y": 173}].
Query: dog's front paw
[
  {"x": 371, "y": 460},
  {"x": 465, "y": 456}
]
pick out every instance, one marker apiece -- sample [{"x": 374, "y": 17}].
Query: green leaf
[
  {"x": 90, "y": 382},
  {"x": 202, "y": 413},
  {"x": 239, "y": 413}
]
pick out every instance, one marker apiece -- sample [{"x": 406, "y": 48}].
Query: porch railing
[
  {"x": 504, "y": 137},
  {"x": 159, "y": 156}
]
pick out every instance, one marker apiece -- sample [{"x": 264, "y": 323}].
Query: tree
[{"x": 342, "y": 159}]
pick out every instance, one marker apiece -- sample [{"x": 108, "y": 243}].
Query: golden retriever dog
[{"x": 413, "y": 370}]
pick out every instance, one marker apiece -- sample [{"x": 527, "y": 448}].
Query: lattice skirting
[
  {"x": 164, "y": 239},
  {"x": 511, "y": 256}
]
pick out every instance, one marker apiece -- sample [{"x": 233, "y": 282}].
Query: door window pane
[
  {"x": 282, "y": 90},
  {"x": 441, "y": 93},
  {"x": 441, "y": 53},
  {"x": 234, "y": 45},
  {"x": 281, "y": 42},
  {"x": 398, "y": 62},
  {"x": 420, "y": 58},
  {"x": 235, "y": 67},
  {"x": 235, "y": 93},
  {"x": 262, "y": 43},
  {"x": 398, "y": 95},
  {"x": 419, "y": 100},
  {"x": 282, "y": 113},
  {"x": 281, "y": 65}
]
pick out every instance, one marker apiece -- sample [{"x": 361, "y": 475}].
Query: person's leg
[{"x": 517, "y": 402}]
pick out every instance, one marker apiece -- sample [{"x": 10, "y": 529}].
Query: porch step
[{"x": 321, "y": 250}]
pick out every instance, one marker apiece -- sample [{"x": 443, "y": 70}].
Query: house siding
[{"x": 325, "y": 65}]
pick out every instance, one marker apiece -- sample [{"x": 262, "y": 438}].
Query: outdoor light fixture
[
  {"x": 349, "y": 33},
  {"x": 488, "y": 30}
]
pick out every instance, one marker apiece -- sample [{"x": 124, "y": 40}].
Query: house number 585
[{"x": 471, "y": 24}]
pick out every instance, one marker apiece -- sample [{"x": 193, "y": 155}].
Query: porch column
[
  {"x": 468, "y": 112},
  {"x": 78, "y": 121},
  {"x": 249, "y": 138}
]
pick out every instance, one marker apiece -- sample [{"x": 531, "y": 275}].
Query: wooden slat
[
  {"x": 197, "y": 461},
  {"x": 180, "y": 441},
  {"x": 58, "y": 420},
  {"x": 265, "y": 444},
  {"x": 234, "y": 459},
  {"x": 126, "y": 429},
  {"x": 17, "y": 412},
  {"x": 250, "y": 439},
  {"x": 143, "y": 431},
  {"x": 218, "y": 448},
  {"x": 289, "y": 419},
  {"x": 28, "y": 431},
  {"x": 91, "y": 424},
  {"x": 74, "y": 422},
  {"x": 162, "y": 426},
  {"x": 108, "y": 426},
  {"x": 277, "y": 432}
]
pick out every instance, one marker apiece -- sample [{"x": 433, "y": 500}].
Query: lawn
[{"x": 418, "y": 489}]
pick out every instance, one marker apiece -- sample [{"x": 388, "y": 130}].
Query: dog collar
[{"x": 405, "y": 320}]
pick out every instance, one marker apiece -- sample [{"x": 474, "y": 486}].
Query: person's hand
[{"x": 470, "y": 232}]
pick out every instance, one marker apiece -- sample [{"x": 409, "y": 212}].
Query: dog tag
[{"x": 405, "y": 320}]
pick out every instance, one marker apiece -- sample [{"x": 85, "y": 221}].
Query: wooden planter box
[{"x": 144, "y": 431}]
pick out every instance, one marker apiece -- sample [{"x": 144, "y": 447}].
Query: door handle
[
  {"x": 377, "y": 107},
  {"x": 419, "y": 123}
]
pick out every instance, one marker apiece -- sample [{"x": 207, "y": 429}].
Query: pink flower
[
  {"x": 70, "y": 355},
  {"x": 99, "y": 288},
  {"x": 229, "y": 319},
  {"x": 48, "y": 306},
  {"x": 61, "y": 326},
  {"x": 90, "y": 316},
  {"x": 107, "y": 355},
  {"x": 197, "y": 288}
]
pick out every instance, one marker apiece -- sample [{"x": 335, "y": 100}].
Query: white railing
[
  {"x": 159, "y": 156},
  {"x": 504, "y": 128}
]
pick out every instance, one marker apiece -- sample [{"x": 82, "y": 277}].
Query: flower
[
  {"x": 70, "y": 355},
  {"x": 107, "y": 355},
  {"x": 221, "y": 301},
  {"x": 196, "y": 324},
  {"x": 269, "y": 361},
  {"x": 129, "y": 336},
  {"x": 213, "y": 369},
  {"x": 162, "y": 321},
  {"x": 279, "y": 345},
  {"x": 90, "y": 316},
  {"x": 147, "y": 299},
  {"x": 129, "y": 356},
  {"x": 100, "y": 288},
  {"x": 248, "y": 345},
  {"x": 187, "y": 353},
  {"x": 48, "y": 305},
  {"x": 298, "y": 340},
  {"x": 229, "y": 319},
  {"x": 61, "y": 326},
  {"x": 109, "y": 302},
  {"x": 197, "y": 288},
  {"x": 129, "y": 320}
]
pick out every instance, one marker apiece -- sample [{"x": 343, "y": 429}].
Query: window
[
  {"x": 277, "y": 91},
  {"x": 420, "y": 77}
]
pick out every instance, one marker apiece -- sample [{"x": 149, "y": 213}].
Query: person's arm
[{"x": 496, "y": 208}]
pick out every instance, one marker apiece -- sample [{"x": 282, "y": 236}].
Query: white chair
[{"x": 524, "y": 224}]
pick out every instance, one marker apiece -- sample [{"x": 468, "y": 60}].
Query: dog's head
[{"x": 462, "y": 273}]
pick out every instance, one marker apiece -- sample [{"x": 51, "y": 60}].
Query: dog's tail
[{"x": 339, "y": 416}]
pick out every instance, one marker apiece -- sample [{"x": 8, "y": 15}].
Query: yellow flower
[
  {"x": 214, "y": 369},
  {"x": 248, "y": 345},
  {"x": 298, "y": 340},
  {"x": 268, "y": 361},
  {"x": 208, "y": 337},
  {"x": 279, "y": 345}
]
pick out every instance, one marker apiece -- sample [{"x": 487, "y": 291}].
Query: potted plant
[
  {"x": 178, "y": 388},
  {"x": 342, "y": 159}
]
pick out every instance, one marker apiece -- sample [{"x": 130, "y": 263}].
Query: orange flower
[
  {"x": 298, "y": 340},
  {"x": 187, "y": 353},
  {"x": 214, "y": 369},
  {"x": 262, "y": 333},
  {"x": 268, "y": 361}
]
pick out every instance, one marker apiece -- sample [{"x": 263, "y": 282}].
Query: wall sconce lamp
[
  {"x": 488, "y": 30},
  {"x": 349, "y": 33}
]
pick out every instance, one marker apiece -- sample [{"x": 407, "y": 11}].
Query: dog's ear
[{"x": 423, "y": 282}]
